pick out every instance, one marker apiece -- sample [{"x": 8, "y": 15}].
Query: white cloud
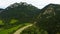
[{"x": 37, "y": 3}]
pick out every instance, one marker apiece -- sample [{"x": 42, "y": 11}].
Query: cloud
[{"x": 37, "y": 3}]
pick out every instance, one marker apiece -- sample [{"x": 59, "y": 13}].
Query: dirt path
[{"x": 21, "y": 29}]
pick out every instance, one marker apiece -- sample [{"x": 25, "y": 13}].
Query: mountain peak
[
  {"x": 1, "y": 9},
  {"x": 53, "y": 5},
  {"x": 51, "y": 9},
  {"x": 20, "y": 5}
]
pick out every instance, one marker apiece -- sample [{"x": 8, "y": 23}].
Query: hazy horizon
[{"x": 39, "y": 3}]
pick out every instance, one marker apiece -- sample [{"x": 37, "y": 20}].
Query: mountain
[
  {"x": 23, "y": 12},
  {"x": 1, "y": 9},
  {"x": 49, "y": 19}
]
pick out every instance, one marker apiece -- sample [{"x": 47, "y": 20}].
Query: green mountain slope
[
  {"x": 50, "y": 18},
  {"x": 22, "y": 12}
]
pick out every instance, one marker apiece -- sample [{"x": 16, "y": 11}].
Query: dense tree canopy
[
  {"x": 21, "y": 11},
  {"x": 50, "y": 19},
  {"x": 47, "y": 18}
]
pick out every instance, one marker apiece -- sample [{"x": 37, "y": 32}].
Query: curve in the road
[{"x": 21, "y": 29}]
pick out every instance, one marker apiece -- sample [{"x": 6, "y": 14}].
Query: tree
[
  {"x": 49, "y": 19},
  {"x": 21, "y": 11}
]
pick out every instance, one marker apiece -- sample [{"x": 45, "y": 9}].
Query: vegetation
[
  {"x": 8, "y": 31},
  {"x": 1, "y": 22},
  {"x": 13, "y": 29},
  {"x": 47, "y": 19},
  {"x": 34, "y": 30}
]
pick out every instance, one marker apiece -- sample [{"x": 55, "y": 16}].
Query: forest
[{"x": 24, "y": 18}]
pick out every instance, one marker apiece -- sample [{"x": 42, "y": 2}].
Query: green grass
[
  {"x": 11, "y": 30},
  {"x": 33, "y": 30},
  {"x": 13, "y": 21},
  {"x": 1, "y": 22},
  {"x": 7, "y": 31}
]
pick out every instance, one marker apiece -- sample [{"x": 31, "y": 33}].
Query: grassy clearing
[
  {"x": 1, "y": 22},
  {"x": 7, "y": 31},
  {"x": 11, "y": 30},
  {"x": 13, "y": 21},
  {"x": 33, "y": 30}
]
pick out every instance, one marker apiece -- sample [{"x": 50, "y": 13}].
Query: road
[{"x": 21, "y": 29}]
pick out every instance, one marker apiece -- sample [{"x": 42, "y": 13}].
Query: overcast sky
[{"x": 38, "y": 3}]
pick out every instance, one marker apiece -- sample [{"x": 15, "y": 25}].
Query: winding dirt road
[{"x": 21, "y": 29}]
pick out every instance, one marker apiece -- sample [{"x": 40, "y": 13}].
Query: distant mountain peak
[
  {"x": 1, "y": 9},
  {"x": 54, "y": 4},
  {"x": 21, "y": 4},
  {"x": 51, "y": 9}
]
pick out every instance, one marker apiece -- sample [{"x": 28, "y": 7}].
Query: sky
[{"x": 37, "y": 3}]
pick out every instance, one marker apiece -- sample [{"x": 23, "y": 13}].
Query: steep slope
[
  {"x": 49, "y": 19},
  {"x": 20, "y": 11},
  {"x": 1, "y": 9}
]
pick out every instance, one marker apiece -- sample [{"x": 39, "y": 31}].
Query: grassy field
[
  {"x": 7, "y": 31},
  {"x": 11, "y": 30},
  {"x": 1, "y": 22},
  {"x": 33, "y": 30}
]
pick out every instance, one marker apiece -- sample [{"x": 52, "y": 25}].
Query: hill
[
  {"x": 49, "y": 18},
  {"x": 22, "y": 12}
]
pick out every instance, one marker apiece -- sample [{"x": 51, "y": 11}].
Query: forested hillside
[
  {"x": 20, "y": 15},
  {"x": 50, "y": 18},
  {"x": 22, "y": 12}
]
